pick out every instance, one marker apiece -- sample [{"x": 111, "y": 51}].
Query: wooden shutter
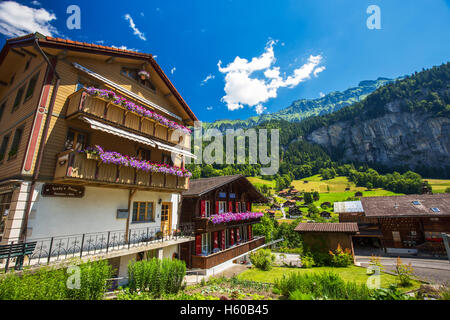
[
  {"x": 231, "y": 236},
  {"x": 230, "y": 206},
  {"x": 249, "y": 206},
  {"x": 237, "y": 206},
  {"x": 202, "y": 208},
  {"x": 217, "y": 207},
  {"x": 198, "y": 244}
]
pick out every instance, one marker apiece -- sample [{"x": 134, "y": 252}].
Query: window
[
  {"x": 75, "y": 140},
  {"x": 3, "y": 147},
  {"x": 15, "y": 143},
  {"x": 206, "y": 243},
  {"x": 435, "y": 210},
  {"x": 167, "y": 159},
  {"x": 31, "y": 86},
  {"x": 222, "y": 206},
  {"x": 143, "y": 212},
  {"x": 133, "y": 74},
  {"x": 2, "y": 108},
  {"x": 18, "y": 98},
  {"x": 416, "y": 203},
  {"x": 396, "y": 236},
  {"x": 207, "y": 208},
  {"x": 5, "y": 202},
  {"x": 144, "y": 154}
]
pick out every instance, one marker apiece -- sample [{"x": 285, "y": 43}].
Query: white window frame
[
  {"x": 207, "y": 208},
  {"x": 222, "y": 206},
  {"x": 206, "y": 243}
]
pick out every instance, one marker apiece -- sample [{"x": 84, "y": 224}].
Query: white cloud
[
  {"x": 208, "y": 77},
  {"x": 318, "y": 70},
  {"x": 173, "y": 70},
  {"x": 209, "y": 108},
  {"x": 321, "y": 94},
  {"x": 242, "y": 89},
  {"x": 18, "y": 20},
  {"x": 36, "y": 3},
  {"x": 133, "y": 26},
  {"x": 124, "y": 48}
]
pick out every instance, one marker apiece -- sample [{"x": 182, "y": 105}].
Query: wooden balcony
[
  {"x": 74, "y": 167},
  {"x": 202, "y": 225},
  {"x": 82, "y": 103},
  {"x": 206, "y": 262}
]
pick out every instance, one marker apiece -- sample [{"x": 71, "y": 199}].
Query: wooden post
[{"x": 130, "y": 196}]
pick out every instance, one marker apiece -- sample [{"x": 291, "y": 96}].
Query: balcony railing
[
  {"x": 56, "y": 249},
  {"x": 81, "y": 103},
  {"x": 206, "y": 225},
  {"x": 72, "y": 166},
  {"x": 214, "y": 259}
]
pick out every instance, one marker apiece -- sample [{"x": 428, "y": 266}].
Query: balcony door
[{"x": 166, "y": 217}]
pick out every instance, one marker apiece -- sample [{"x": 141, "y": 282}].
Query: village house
[
  {"x": 409, "y": 223},
  {"x": 93, "y": 146},
  {"x": 221, "y": 208}
]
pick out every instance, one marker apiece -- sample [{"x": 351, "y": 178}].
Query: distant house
[
  {"x": 275, "y": 206},
  {"x": 290, "y": 203},
  {"x": 325, "y": 214}
]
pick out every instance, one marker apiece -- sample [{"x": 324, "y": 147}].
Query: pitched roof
[
  {"x": 413, "y": 205},
  {"x": 346, "y": 227},
  {"x": 98, "y": 49},
  {"x": 198, "y": 187}
]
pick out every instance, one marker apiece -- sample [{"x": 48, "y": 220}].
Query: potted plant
[
  {"x": 92, "y": 154},
  {"x": 144, "y": 74}
]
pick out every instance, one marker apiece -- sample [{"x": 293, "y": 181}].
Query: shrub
[
  {"x": 341, "y": 258},
  {"x": 404, "y": 273},
  {"x": 93, "y": 284},
  {"x": 308, "y": 261},
  {"x": 390, "y": 293},
  {"x": 155, "y": 276},
  {"x": 298, "y": 295},
  {"x": 262, "y": 259}
]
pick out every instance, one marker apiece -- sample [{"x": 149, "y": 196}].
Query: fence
[{"x": 53, "y": 249}]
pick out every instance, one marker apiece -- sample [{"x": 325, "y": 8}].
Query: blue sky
[{"x": 304, "y": 48}]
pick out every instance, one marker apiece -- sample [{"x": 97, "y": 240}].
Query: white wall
[{"x": 95, "y": 212}]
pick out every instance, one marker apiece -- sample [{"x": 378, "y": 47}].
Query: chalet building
[
  {"x": 93, "y": 142},
  {"x": 410, "y": 223},
  {"x": 212, "y": 203}
]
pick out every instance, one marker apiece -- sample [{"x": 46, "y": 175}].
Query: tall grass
[
  {"x": 51, "y": 283},
  {"x": 325, "y": 285},
  {"x": 155, "y": 276}
]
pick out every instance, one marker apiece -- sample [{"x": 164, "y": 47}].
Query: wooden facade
[{"x": 217, "y": 243}]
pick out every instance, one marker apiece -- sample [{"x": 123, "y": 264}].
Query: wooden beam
[
  {"x": 110, "y": 60},
  {"x": 62, "y": 55},
  {"x": 167, "y": 95},
  {"x": 18, "y": 52},
  {"x": 28, "y": 52}
]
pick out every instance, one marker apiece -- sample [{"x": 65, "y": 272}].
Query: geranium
[
  {"x": 112, "y": 157},
  {"x": 131, "y": 106},
  {"x": 230, "y": 216}
]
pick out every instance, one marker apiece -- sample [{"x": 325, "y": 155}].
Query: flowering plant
[
  {"x": 144, "y": 74},
  {"x": 131, "y": 106},
  {"x": 230, "y": 216},
  {"x": 127, "y": 161}
]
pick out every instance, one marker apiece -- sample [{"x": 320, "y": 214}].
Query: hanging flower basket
[{"x": 144, "y": 74}]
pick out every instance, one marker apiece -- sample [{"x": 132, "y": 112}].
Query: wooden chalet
[
  {"x": 217, "y": 243},
  {"x": 58, "y": 99}
]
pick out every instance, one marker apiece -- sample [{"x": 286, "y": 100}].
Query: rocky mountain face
[{"x": 394, "y": 139}]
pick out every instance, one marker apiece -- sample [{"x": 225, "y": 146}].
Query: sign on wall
[
  {"x": 62, "y": 190},
  {"x": 122, "y": 214}
]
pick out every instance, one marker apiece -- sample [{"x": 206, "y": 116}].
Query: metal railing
[{"x": 54, "y": 249}]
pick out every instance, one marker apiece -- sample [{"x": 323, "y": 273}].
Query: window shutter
[
  {"x": 217, "y": 207},
  {"x": 198, "y": 244},
  {"x": 202, "y": 209},
  {"x": 249, "y": 206},
  {"x": 237, "y": 206},
  {"x": 230, "y": 206},
  {"x": 231, "y": 236}
]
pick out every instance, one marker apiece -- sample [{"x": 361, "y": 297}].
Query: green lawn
[
  {"x": 352, "y": 273},
  {"x": 258, "y": 181},
  {"x": 439, "y": 185}
]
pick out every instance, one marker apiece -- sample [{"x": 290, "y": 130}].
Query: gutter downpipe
[{"x": 23, "y": 235}]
